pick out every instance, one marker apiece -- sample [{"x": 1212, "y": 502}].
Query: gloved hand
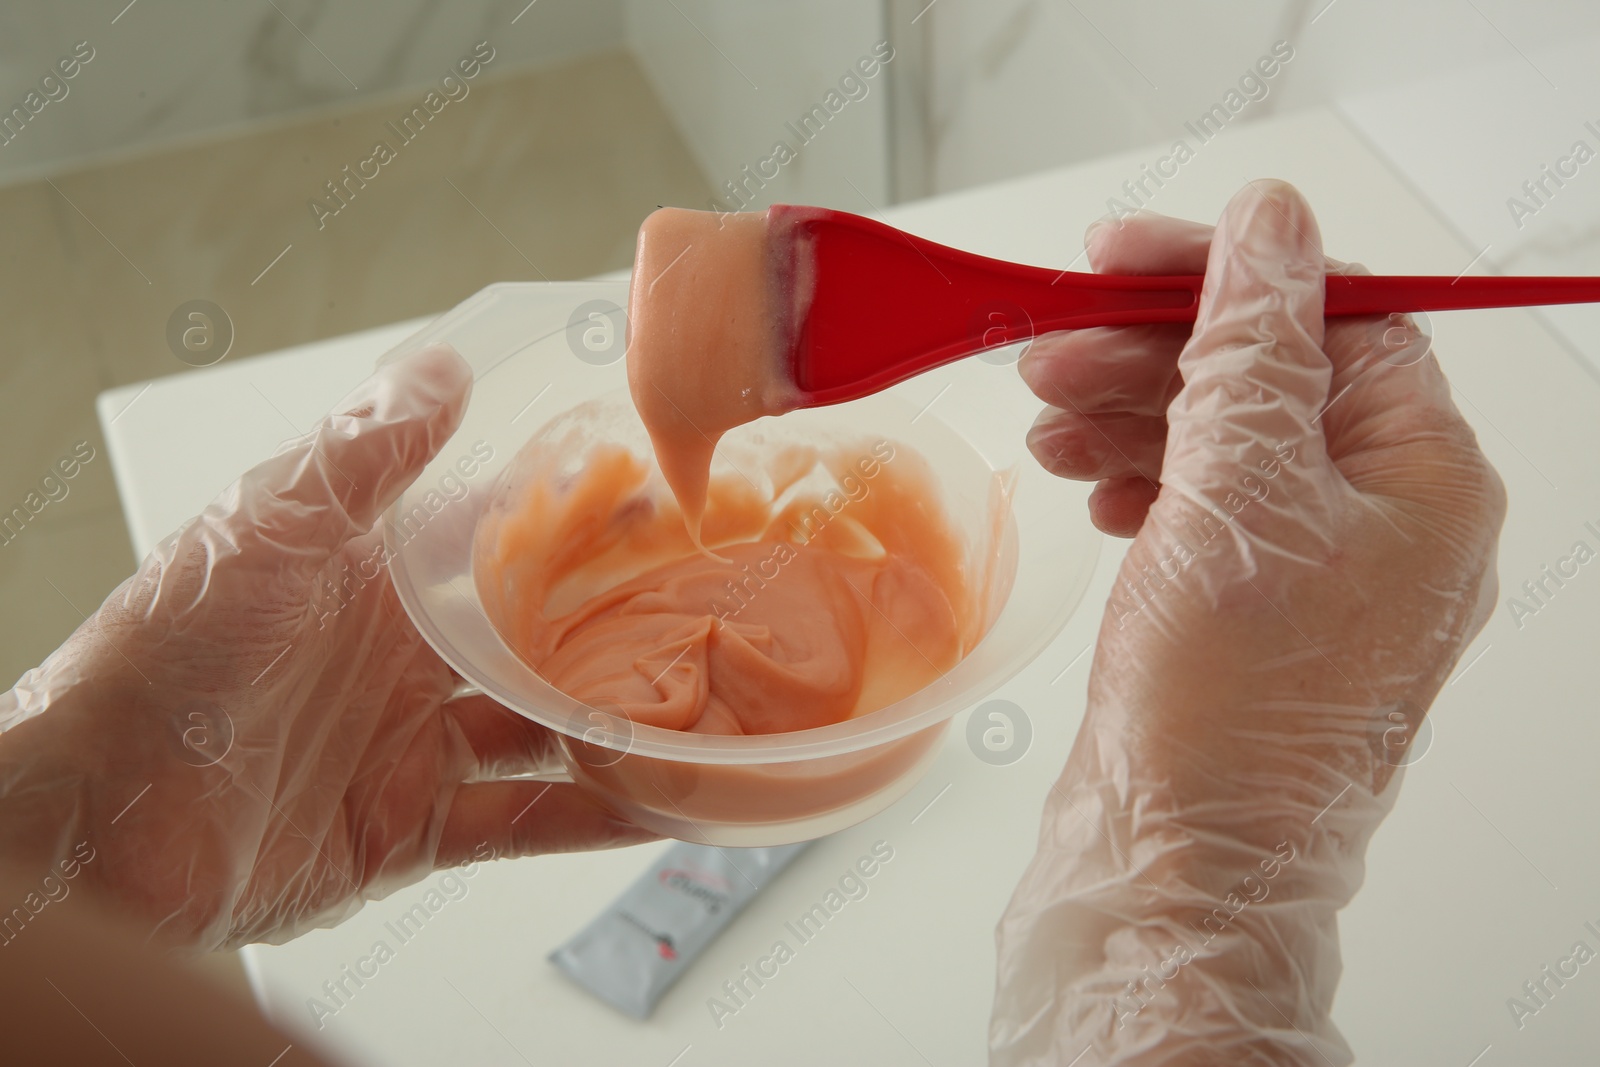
[
  {"x": 1320, "y": 551},
  {"x": 248, "y": 739}
]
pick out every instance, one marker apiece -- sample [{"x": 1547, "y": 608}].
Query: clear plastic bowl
[{"x": 540, "y": 350}]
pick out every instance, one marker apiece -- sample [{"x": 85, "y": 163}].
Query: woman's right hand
[{"x": 1315, "y": 546}]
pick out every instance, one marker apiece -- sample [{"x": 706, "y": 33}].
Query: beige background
[{"x": 533, "y": 175}]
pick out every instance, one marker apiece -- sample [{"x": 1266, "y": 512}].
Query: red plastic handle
[
  {"x": 1365, "y": 294},
  {"x": 1123, "y": 300}
]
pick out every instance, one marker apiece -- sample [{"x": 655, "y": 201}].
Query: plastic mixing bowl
[{"x": 542, "y": 351}]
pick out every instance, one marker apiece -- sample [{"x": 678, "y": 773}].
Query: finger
[
  {"x": 1117, "y": 506},
  {"x": 307, "y": 502},
  {"x": 504, "y": 742},
  {"x": 1148, "y": 243},
  {"x": 1255, "y": 375},
  {"x": 1380, "y": 363},
  {"x": 1394, "y": 431},
  {"x": 1091, "y": 447},
  {"x": 528, "y": 819},
  {"x": 1121, "y": 368},
  {"x": 1107, "y": 368}
]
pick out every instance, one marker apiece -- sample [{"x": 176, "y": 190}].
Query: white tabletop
[{"x": 1485, "y": 873}]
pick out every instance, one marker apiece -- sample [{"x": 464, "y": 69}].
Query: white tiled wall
[
  {"x": 738, "y": 76},
  {"x": 1019, "y": 85}
]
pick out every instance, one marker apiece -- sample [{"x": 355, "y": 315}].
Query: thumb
[
  {"x": 1255, "y": 378},
  {"x": 309, "y": 501},
  {"x": 516, "y": 818}
]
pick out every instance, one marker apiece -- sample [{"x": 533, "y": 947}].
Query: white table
[{"x": 1486, "y": 871}]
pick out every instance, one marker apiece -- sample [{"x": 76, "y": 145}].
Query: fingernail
[
  {"x": 1288, "y": 226},
  {"x": 1094, "y": 228}
]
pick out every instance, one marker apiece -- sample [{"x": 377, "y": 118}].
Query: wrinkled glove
[
  {"x": 249, "y": 738},
  {"x": 1315, "y": 547}
]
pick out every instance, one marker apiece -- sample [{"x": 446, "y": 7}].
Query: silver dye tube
[{"x": 632, "y": 952}]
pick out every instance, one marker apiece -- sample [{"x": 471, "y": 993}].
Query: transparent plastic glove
[
  {"x": 249, "y": 738},
  {"x": 1320, "y": 552}
]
